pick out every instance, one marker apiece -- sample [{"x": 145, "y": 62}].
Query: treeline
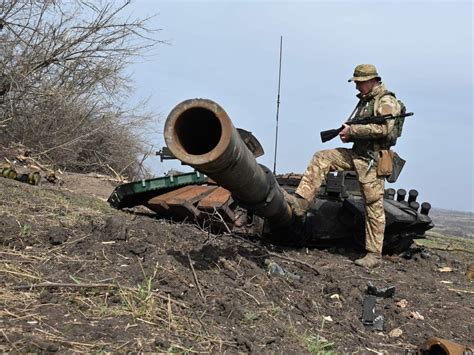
[{"x": 63, "y": 88}]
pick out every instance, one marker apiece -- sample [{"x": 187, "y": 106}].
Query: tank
[{"x": 232, "y": 193}]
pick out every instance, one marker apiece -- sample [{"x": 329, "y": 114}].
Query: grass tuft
[{"x": 316, "y": 344}]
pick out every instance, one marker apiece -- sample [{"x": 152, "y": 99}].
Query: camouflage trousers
[{"x": 371, "y": 186}]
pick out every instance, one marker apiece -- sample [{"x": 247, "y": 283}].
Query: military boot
[
  {"x": 370, "y": 260},
  {"x": 298, "y": 204}
]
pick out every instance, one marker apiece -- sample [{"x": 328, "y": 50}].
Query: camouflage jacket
[{"x": 373, "y": 137}]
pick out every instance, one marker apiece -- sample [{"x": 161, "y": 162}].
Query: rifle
[{"x": 331, "y": 133}]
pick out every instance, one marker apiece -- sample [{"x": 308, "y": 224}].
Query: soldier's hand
[{"x": 344, "y": 135}]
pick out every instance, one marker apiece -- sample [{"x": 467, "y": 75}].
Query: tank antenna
[{"x": 278, "y": 107}]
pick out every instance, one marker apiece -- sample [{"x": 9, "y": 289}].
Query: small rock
[
  {"x": 395, "y": 333},
  {"x": 161, "y": 343},
  {"x": 52, "y": 348},
  {"x": 116, "y": 228},
  {"x": 403, "y": 303},
  {"x": 274, "y": 269},
  {"x": 57, "y": 236},
  {"x": 115, "y": 299},
  {"x": 470, "y": 272},
  {"x": 425, "y": 254},
  {"x": 332, "y": 289},
  {"x": 416, "y": 315},
  {"x": 137, "y": 248},
  {"x": 270, "y": 340},
  {"x": 48, "y": 297}
]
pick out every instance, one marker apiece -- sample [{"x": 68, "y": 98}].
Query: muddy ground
[{"x": 77, "y": 275}]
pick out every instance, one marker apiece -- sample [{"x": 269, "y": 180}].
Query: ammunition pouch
[
  {"x": 385, "y": 163},
  {"x": 389, "y": 165},
  {"x": 397, "y": 166}
]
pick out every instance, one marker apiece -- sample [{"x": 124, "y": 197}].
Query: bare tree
[{"x": 63, "y": 88}]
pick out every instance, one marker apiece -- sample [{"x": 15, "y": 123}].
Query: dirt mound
[{"x": 78, "y": 275}]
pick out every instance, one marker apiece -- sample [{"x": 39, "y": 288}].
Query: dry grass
[
  {"x": 91, "y": 303},
  {"x": 436, "y": 240},
  {"x": 47, "y": 206}
]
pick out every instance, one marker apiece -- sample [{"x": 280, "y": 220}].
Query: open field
[{"x": 453, "y": 223}]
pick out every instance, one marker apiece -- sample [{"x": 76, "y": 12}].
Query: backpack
[
  {"x": 401, "y": 120},
  {"x": 398, "y": 126}
]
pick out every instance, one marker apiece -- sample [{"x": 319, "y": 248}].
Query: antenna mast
[{"x": 278, "y": 107}]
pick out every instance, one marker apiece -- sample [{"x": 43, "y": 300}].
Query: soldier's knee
[
  {"x": 372, "y": 192},
  {"x": 320, "y": 157},
  {"x": 371, "y": 198}
]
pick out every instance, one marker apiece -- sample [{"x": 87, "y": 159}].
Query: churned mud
[{"x": 77, "y": 275}]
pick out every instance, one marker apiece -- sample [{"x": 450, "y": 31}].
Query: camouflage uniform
[{"x": 368, "y": 139}]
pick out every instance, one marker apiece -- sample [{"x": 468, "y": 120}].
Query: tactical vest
[{"x": 366, "y": 108}]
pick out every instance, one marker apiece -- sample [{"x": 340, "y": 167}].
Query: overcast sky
[{"x": 228, "y": 51}]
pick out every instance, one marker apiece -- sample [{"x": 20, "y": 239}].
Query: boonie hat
[{"x": 364, "y": 72}]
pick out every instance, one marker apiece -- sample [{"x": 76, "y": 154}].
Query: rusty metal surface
[
  {"x": 200, "y": 203},
  {"x": 192, "y": 196},
  {"x": 219, "y": 201},
  {"x": 216, "y": 198},
  {"x": 185, "y": 211},
  {"x": 435, "y": 345},
  {"x": 184, "y": 204},
  {"x": 158, "y": 204},
  {"x": 209, "y": 205}
]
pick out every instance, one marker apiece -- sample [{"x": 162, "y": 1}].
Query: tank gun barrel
[{"x": 200, "y": 134}]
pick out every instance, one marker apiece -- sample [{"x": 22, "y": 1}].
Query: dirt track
[{"x": 128, "y": 282}]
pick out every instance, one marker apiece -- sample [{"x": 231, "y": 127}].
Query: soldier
[{"x": 369, "y": 139}]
